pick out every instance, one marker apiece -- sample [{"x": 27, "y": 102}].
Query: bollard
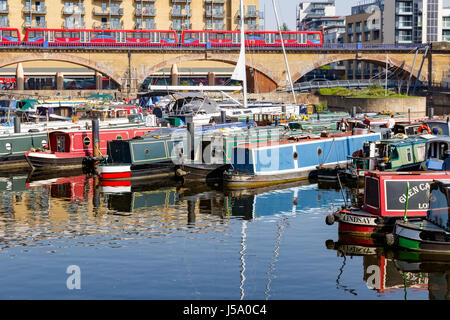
[
  {"x": 223, "y": 116},
  {"x": 431, "y": 113},
  {"x": 96, "y": 141},
  {"x": 409, "y": 115},
  {"x": 16, "y": 125}
]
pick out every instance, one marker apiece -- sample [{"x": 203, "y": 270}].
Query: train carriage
[
  {"x": 252, "y": 38},
  {"x": 8, "y": 35},
  {"x": 100, "y": 37}
]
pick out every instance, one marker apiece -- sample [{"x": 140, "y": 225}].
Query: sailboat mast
[
  {"x": 244, "y": 79},
  {"x": 284, "y": 52}
]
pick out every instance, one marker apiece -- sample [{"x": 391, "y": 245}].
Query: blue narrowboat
[{"x": 261, "y": 164}]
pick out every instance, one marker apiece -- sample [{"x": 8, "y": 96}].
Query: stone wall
[{"x": 417, "y": 105}]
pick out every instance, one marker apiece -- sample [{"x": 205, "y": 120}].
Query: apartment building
[{"x": 129, "y": 14}]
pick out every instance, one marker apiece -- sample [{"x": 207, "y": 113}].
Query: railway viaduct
[{"x": 128, "y": 67}]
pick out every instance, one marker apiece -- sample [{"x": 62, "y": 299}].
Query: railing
[
  {"x": 146, "y": 12},
  {"x": 42, "y": 9},
  {"x": 74, "y": 10},
  {"x": 112, "y": 12},
  {"x": 350, "y": 84}
]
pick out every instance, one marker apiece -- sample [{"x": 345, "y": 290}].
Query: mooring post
[
  {"x": 431, "y": 115},
  {"x": 191, "y": 140},
  {"x": 16, "y": 124},
  {"x": 409, "y": 115},
  {"x": 353, "y": 112},
  {"x": 96, "y": 141}
]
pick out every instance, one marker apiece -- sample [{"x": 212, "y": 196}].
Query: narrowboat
[
  {"x": 385, "y": 198},
  {"x": 388, "y": 155},
  {"x": 67, "y": 149},
  {"x": 438, "y": 126},
  {"x": 261, "y": 164},
  {"x": 431, "y": 234},
  {"x": 164, "y": 152},
  {"x": 13, "y": 147},
  {"x": 437, "y": 151}
]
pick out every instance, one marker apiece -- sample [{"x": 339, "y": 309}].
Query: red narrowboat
[
  {"x": 68, "y": 149},
  {"x": 384, "y": 202}
]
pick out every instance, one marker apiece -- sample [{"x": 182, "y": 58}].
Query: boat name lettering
[
  {"x": 358, "y": 220},
  {"x": 413, "y": 191}
]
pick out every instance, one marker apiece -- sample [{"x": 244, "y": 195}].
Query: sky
[{"x": 287, "y": 11}]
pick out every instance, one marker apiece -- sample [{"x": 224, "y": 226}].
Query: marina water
[{"x": 191, "y": 242}]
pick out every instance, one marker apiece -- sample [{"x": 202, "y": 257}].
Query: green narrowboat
[
  {"x": 388, "y": 155},
  {"x": 13, "y": 147}
]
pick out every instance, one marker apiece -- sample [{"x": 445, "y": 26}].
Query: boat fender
[
  {"x": 180, "y": 172},
  {"x": 330, "y": 244},
  {"x": 33, "y": 150},
  {"x": 329, "y": 220},
  {"x": 390, "y": 239},
  {"x": 138, "y": 138}
]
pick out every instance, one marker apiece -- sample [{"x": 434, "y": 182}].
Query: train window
[
  {"x": 132, "y": 35},
  {"x": 58, "y": 34}
]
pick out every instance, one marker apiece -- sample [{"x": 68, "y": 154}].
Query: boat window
[
  {"x": 147, "y": 152},
  {"x": 60, "y": 144},
  {"x": 319, "y": 151},
  {"x": 408, "y": 154},
  {"x": 295, "y": 155},
  {"x": 86, "y": 141},
  {"x": 119, "y": 137},
  {"x": 393, "y": 154},
  {"x": 420, "y": 153},
  {"x": 372, "y": 189},
  {"x": 8, "y": 146},
  {"x": 44, "y": 143},
  {"x": 443, "y": 147}
]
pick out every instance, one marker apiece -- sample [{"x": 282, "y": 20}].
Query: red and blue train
[{"x": 189, "y": 38}]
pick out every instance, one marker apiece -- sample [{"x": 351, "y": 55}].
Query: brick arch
[
  {"x": 33, "y": 56},
  {"x": 226, "y": 58},
  {"x": 372, "y": 58}
]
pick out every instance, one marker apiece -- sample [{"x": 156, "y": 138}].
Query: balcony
[
  {"x": 404, "y": 10},
  {"x": 73, "y": 10},
  {"x": 146, "y": 26},
  {"x": 180, "y": 13},
  {"x": 4, "y": 24},
  {"x": 72, "y": 25},
  {"x": 144, "y": 0},
  {"x": 4, "y": 9},
  {"x": 215, "y": 1},
  {"x": 110, "y": 12},
  {"x": 115, "y": 26},
  {"x": 404, "y": 25},
  {"x": 181, "y": 26},
  {"x": 180, "y": 1},
  {"x": 251, "y": 14},
  {"x": 42, "y": 9},
  {"x": 215, "y": 14},
  {"x": 35, "y": 24},
  {"x": 145, "y": 12}
]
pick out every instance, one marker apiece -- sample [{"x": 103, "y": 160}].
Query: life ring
[{"x": 423, "y": 128}]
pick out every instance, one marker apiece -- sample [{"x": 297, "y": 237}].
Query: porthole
[
  {"x": 43, "y": 143},
  {"x": 147, "y": 152},
  {"x": 319, "y": 151},
  {"x": 119, "y": 137},
  {"x": 295, "y": 155},
  {"x": 8, "y": 146},
  {"x": 86, "y": 141}
]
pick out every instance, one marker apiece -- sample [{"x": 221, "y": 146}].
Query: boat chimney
[
  {"x": 223, "y": 116},
  {"x": 96, "y": 141},
  {"x": 16, "y": 125},
  {"x": 191, "y": 140},
  {"x": 353, "y": 112}
]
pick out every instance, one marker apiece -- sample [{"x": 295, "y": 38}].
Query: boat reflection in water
[{"x": 394, "y": 272}]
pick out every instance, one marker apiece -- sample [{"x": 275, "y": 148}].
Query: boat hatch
[
  {"x": 439, "y": 207},
  {"x": 59, "y": 142}
]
